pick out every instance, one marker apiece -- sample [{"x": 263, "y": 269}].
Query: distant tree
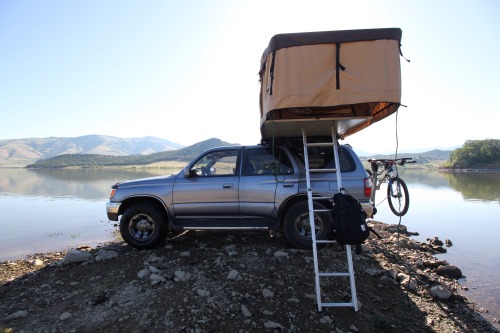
[{"x": 475, "y": 152}]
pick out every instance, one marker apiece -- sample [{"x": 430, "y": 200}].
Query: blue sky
[{"x": 186, "y": 71}]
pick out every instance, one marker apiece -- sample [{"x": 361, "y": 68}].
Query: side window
[
  {"x": 219, "y": 163},
  {"x": 262, "y": 161}
]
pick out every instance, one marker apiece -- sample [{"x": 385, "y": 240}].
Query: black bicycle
[{"x": 397, "y": 191}]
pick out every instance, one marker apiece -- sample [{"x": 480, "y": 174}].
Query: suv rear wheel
[
  {"x": 143, "y": 226},
  {"x": 298, "y": 229}
]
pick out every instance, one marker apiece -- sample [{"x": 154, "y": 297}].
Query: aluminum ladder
[{"x": 315, "y": 242}]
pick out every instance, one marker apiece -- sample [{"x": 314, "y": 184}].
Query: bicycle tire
[{"x": 398, "y": 197}]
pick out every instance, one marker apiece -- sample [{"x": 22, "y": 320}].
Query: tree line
[{"x": 475, "y": 153}]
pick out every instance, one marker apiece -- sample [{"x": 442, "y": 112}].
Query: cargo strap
[{"x": 338, "y": 65}]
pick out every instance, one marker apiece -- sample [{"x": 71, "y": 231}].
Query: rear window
[{"x": 322, "y": 157}]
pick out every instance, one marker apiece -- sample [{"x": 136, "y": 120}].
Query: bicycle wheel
[{"x": 398, "y": 197}]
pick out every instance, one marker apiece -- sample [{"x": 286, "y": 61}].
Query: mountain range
[
  {"x": 102, "y": 150},
  {"x": 21, "y": 152}
]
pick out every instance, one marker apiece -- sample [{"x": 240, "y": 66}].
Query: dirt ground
[{"x": 233, "y": 282}]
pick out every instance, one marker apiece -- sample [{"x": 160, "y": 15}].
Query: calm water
[{"x": 51, "y": 210}]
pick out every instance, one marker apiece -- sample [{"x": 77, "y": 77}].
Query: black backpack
[{"x": 349, "y": 220}]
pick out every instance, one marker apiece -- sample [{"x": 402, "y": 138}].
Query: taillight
[
  {"x": 368, "y": 187},
  {"x": 112, "y": 194}
]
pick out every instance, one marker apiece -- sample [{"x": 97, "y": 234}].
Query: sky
[{"x": 187, "y": 71}]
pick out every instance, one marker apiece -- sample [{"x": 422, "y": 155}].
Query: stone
[
  {"x": 440, "y": 292},
  {"x": 280, "y": 254},
  {"x": 449, "y": 271},
  {"x": 155, "y": 279},
  {"x": 273, "y": 324},
  {"x": 245, "y": 311},
  {"x": 153, "y": 269},
  {"x": 102, "y": 255},
  {"x": 17, "y": 315},
  {"x": 267, "y": 293},
  {"x": 143, "y": 273},
  {"x": 37, "y": 262},
  {"x": 203, "y": 292},
  {"x": 65, "y": 316},
  {"x": 76, "y": 257},
  {"x": 233, "y": 274},
  {"x": 181, "y": 276}
]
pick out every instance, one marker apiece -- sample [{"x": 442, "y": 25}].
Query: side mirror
[{"x": 187, "y": 172}]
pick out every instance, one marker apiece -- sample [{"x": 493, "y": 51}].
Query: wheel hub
[{"x": 142, "y": 225}]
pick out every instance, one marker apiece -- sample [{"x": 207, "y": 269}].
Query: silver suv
[{"x": 239, "y": 187}]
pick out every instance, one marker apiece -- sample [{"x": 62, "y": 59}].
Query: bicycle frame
[{"x": 390, "y": 174}]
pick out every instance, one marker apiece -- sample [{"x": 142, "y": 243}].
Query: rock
[
  {"x": 267, "y": 293},
  {"x": 449, "y": 271},
  {"x": 153, "y": 269},
  {"x": 102, "y": 255},
  {"x": 440, "y": 292},
  {"x": 155, "y": 279},
  {"x": 280, "y": 254},
  {"x": 181, "y": 276},
  {"x": 75, "y": 257},
  {"x": 245, "y": 311},
  {"x": 233, "y": 274},
  {"x": 272, "y": 324},
  {"x": 353, "y": 328},
  {"x": 436, "y": 241},
  {"x": 203, "y": 292},
  {"x": 65, "y": 316},
  {"x": 374, "y": 271},
  {"x": 439, "y": 249},
  {"x": 393, "y": 274},
  {"x": 17, "y": 315},
  {"x": 37, "y": 262},
  {"x": 326, "y": 320},
  {"x": 143, "y": 273},
  {"x": 409, "y": 284},
  {"x": 448, "y": 243}
]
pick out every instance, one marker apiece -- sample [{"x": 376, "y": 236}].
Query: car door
[
  {"x": 268, "y": 178},
  {"x": 211, "y": 189}
]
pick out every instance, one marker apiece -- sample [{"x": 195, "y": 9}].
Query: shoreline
[{"x": 395, "y": 269}]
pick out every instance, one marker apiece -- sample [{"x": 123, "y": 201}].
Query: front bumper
[{"x": 112, "y": 209}]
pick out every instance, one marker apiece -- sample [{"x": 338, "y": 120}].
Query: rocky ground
[{"x": 235, "y": 282}]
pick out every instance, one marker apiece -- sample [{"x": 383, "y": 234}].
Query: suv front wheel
[
  {"x": 143, "y": 226},
  {"x": 298, "y": 229}
]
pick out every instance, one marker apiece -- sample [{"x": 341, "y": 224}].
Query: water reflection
[
  {"x": 88, "y": 184},
  {"x": 482, "y": 186}
]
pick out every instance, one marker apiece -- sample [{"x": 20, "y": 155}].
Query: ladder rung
[
  {"x": 334, "y": 274},
  {"x": 336, "y": 304},
  {"x": 320, "y": 144},
  {"x": 324, "y": 241},
  {"x": 322, "y": 170},
  {"x": 321, "y": 210}
]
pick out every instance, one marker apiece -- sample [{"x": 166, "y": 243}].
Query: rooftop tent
[{"x": 352, "y": 77}]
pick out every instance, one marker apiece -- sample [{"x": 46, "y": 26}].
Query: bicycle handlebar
[{"x": 400, "y": 161}]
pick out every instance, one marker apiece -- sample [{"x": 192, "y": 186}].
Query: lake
[{"x": 53, "y": 210}]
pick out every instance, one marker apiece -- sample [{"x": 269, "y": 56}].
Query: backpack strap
[{"x": 376, "y": 234}]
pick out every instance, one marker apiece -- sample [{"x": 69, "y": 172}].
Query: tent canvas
[{"x": 351, "y": 77}]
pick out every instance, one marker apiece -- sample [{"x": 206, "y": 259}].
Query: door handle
[
  {"x": 227, "y": 186},
  {"x": 287, "y": 185}
]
